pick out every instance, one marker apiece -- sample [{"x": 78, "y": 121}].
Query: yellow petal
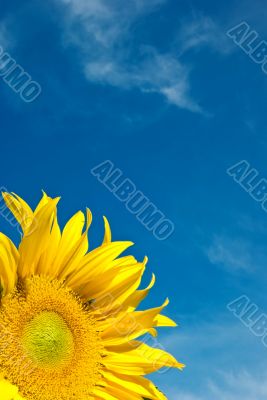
[
  {"x": 107, "y": 236},
  {"x": 33, "y": 245},
  {"x": 96, "y": 262},
  {"x": 9, "y": 391},
  {"x": 20, "y": 209},
  {"x": 74, "y": 257},
  {"x": 9, "y": 257},
  {"x": 106, "y": 305},
  {"x": 109, "y": 392},
  {"x": 44, "y": 200},
  {"x": 71, "y": 234},
  {"x": 132, "y": 325},
  {"x": 135, "y": 384},
  {"x": 162, "y": 320},
  {"x": 110, "y": 297},
  {"x": 138, "y": 296},
  {"x": 140, "y": 360},
  {"x": 45, "y": 264},
  {"x": 111, "y": 284}
]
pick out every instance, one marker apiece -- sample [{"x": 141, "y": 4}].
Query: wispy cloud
[
  {"x": 236, "y": 254},
  {"x": 242, "y": 386},
  {"x": 103, "y": 31},
  {"x": 202, "y": 31},
  {"x": 217, "y": 362}
]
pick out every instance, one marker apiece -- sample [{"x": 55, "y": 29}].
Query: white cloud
[
  {"x": 156, "y": 73},
  {"x": 202, "y": 31},
  {"x": 236, "y": 254},
  {"x": 217, "y": 366},
  {"x": 103, "y": 31},
  {"x": 242, "y": 386}
]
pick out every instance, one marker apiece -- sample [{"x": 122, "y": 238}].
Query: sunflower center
[
  {"x": 47, "y": 339},
  {"x": 50, "y": 347}
]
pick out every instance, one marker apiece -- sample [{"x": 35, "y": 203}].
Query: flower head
[{"x": 69, "y": 324}]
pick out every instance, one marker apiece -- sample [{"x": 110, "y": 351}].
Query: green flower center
[{"x": 47, "y": 340}]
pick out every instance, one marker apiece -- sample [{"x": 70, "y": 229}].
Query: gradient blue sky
[{"x": 158, "y": 88}]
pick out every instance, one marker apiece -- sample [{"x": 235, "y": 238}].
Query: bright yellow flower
[{"x": 68, "y": 318}]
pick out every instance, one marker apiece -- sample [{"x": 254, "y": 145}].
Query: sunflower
[{"x": 69, "y": 322}]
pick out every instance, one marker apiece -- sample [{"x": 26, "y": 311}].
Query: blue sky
[{"x": 159, "y": 89}]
